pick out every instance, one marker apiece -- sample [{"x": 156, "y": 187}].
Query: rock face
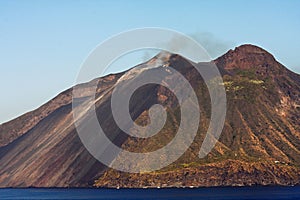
[{"x": 259, "y": 144}]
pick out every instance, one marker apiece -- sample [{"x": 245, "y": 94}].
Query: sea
[{"x": 253, "y": 192}]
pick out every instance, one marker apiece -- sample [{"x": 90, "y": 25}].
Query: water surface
[{"x": 258, "y": 192}]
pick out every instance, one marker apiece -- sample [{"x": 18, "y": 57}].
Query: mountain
[{"x": 259, "y": 144}]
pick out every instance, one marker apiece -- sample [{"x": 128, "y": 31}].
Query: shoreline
[{"x": 156, "y": 188}]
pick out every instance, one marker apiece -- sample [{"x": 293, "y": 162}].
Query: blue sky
[{"x": 43, "y": 43}]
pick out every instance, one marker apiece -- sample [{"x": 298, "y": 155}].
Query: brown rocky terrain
[
  {"x": 224, "y": 173},
  {"x": 259, "y": 144}
]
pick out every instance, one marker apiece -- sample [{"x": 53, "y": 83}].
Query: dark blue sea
[{"x": 195, "y": 193}]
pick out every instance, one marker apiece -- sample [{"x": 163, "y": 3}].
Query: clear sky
[{"x": 43, "y": 43}]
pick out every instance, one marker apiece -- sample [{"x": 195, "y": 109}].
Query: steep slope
[
  {"x": 260, "y": 142},
  {"x": 48, "y": 152}
]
